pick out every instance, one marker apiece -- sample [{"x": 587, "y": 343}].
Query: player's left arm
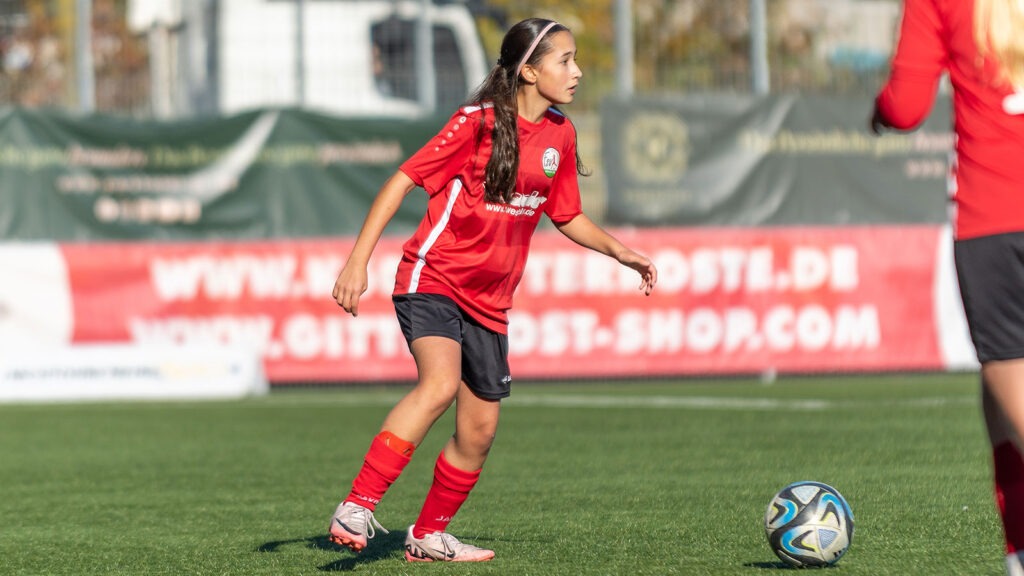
[
  {"x": 917, "y": 66},
  {"x": 584, "y": 232}
]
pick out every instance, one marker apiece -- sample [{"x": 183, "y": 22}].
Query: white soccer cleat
[
  {"x": 1015, "y": 564},
  {"x": 352, "y": 525},
  {"x": 442, "y": 547}
]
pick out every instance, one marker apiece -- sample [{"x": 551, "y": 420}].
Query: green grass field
[{"x": 616, "y": 478}]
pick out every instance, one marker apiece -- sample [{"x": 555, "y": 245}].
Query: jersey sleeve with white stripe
[{"x": 449, "y": 154}]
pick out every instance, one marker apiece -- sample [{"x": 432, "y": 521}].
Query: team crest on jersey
[{"x": 550, "y": 162}]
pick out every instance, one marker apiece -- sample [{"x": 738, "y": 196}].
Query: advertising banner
[
  {"x": 103, "y": 372},
  {"x": 728, "y": 301},
  {"x": 693, "y": 160},
  {"x": 262, "y": 174},
  {"x": 777, "y": 160}
]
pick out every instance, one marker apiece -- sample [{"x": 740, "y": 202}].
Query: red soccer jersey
[
  {"x": 472, "y": 250},
  {"x": 937, "y": 36}
]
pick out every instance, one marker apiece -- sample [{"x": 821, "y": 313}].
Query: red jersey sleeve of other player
[{"x": 938, "y": 36}]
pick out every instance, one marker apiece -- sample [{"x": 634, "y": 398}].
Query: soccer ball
[{"x": 809, "y": 524}]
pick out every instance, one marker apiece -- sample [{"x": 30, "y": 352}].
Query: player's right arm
[{"x": 352, "y": 281}]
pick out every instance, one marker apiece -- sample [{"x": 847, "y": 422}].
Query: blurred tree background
[
  {"x": 37, "y": 44},
  {"x": 832, "y": 46},
  {"x": 591, "y": 23}
]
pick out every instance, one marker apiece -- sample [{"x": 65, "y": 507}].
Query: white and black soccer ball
[{"x": 809, "y": 524}]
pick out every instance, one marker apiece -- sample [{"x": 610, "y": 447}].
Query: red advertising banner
[
  {"x": 728, "y": 301},
  {"x": 734, "y": 301}
]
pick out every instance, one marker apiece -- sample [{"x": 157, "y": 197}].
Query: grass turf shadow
[
  {"x": 782, "y": 566},
  {"x": 382, "y": 546}
]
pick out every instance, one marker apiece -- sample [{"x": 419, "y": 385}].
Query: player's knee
[
  {"x": 437, "y": 395},
  {"x": 478, "y": 440}
]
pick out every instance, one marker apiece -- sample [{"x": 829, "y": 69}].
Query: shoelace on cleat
[
  {"x": 370, "y": 523},
  {"x": 449, "y": 542}
]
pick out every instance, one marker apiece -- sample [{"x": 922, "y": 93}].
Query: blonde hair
[{"x": 999, "y": 33}]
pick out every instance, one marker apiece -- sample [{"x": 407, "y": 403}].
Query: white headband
[{"x": 529, "y": 51}]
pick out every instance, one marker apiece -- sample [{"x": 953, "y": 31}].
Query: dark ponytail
[{"x": 499, "y": 89}]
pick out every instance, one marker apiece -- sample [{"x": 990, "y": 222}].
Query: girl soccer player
[
  {"x": 496, "y": 166},
  {"x": 980, "y": 43}
]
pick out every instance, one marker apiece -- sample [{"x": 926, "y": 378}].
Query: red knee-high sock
[
  {"x": 384, "y": 462},
  {"x": 450, "y": 489},
  {"x": 1009, "y": 480}
]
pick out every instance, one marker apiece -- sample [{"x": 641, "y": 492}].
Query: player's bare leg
[
  {"x": 439, "y": 363},
  {"x": 1003, "y": 406},
  {"x": 476, "y": 422},
  {"x": 1003, "y": 400}
]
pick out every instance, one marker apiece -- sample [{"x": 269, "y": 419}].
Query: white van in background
[{"x": 342, "y": 57}]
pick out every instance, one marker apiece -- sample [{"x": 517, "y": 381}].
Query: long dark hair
[{"x": 499, "y": 89}]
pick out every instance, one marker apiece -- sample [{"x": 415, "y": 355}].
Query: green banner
[
  {"x": 262, "y": 174},
  {"x": 716, "y": 160},
  {"x": 736, "y": 160}
]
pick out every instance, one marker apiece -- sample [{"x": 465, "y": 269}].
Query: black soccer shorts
[
  {"x": 990, "y": 271},
  {"x": 484, "y": 352}
]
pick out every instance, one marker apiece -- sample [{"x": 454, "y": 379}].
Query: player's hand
[
  {"x": 349, "y": 287},
  {"x": 644, "y": 266},
  {"x": 877, "y": 123}
]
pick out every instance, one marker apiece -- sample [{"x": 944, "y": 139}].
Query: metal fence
[
  {"x": 817, "y": 46},
  {"x": 678, "y": 46}
]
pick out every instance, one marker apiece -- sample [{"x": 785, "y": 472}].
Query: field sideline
[{"x": 638, "y": 478}]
